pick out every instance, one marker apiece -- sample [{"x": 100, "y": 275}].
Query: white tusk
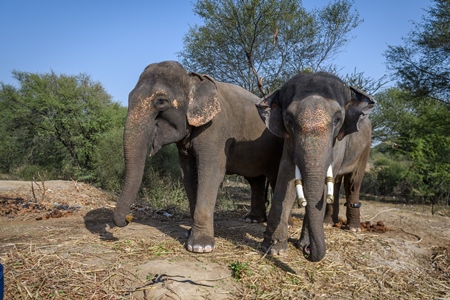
[
  {"x": 330, "y": 185},
  {"x": 299, "y": 187}
]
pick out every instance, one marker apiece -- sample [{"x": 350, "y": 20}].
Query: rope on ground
[
  {"x": 419, "y": 238},
  {"x": 380, "y": 213}
]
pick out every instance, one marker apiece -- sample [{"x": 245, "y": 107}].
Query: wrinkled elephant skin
[
  {"x": 217, "y": 130},
  {"x": 324, "y": 123}
]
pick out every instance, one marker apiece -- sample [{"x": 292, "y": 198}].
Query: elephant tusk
[
  {"x": 330, "y": 185},
  {"x": 299, "y": 187}
]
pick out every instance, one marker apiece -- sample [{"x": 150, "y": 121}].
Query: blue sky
[{"x": 113, "y": 41}]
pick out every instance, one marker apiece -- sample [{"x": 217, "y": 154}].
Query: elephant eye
[
  {"x": 288, "y": 123},
  {"x": 337, "y": 119},
  {"x": 161, "y": 104}
]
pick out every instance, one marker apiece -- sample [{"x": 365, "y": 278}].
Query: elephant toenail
[
  {"x": 355, "y": 229},
  {"x": 208, "y": 248},
  {"x": 189, "y": 247},
  {"x": 273, "y": 252},
  {"x": 198, "y": 249}
]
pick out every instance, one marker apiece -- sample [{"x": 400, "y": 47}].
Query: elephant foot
[
  {"x": 328, "y": 220},
  {"x": 354, "y": 229},
  {"x": 290, "y": 221},
  {"x": 120, "y": 221},
  {"x": 354, "y": 225},
  {"x": 272, "y": 247},
  {"x": 199, "y": 243},
  {"x": 255, "y": 218}
]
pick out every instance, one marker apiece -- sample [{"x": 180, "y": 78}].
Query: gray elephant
[
  {"x": 351, "y": 155},
  {"x": 217, "y": 130},
  {"x": 327, "y": 136}
]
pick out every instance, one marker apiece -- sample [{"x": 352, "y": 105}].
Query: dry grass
[{"x": 357, "y": 266}]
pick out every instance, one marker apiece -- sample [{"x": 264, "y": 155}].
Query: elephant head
[
  {"x": 162, "y": 108},
  {"x": 312, "y": 112}
]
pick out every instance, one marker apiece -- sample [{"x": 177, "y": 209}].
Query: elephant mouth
[
  {"x": 311, "y": 250},
  {"x": 329, "y": 181},
  {"x": 155, "y": 145},
  {"x": 306, "y": 251},
  {"x": 154, "y": 148}
]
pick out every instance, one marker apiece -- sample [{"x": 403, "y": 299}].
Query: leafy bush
[
  {"x": 161, "y": 184},
  {"x": 109, "y": 167},
  {"x": 389, "y": 175},
  {"x": 53, "y": 122}
]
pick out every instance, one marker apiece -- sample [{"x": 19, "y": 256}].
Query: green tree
[
  {"x": 422, "y": 65},
  {"x": 54, "y": 122},
  {"x": 416, "y": 131},
  {"x": 368, "y": 84},
  {"x": 390, "y": 173},
  {"x": 416, "y": 117},
  {"x": 256, "y": 43}
]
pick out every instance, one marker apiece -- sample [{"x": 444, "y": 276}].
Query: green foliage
[
  {"x": 66, "y": 127},
  {"x": 389, "y": 174},
  {"x": 109, "y": 165},
  {"x": 161, "y": 184},
  {"x": 246, "y": 42},
  {"x": 53, "y": 123},
  {"x": 166, "y": 162},
  {"x": 239, "y": 269},
  {"x": 161, "y": 179},
  {"x": 367, "y": 84},
  {"x": 414, "y": 117},
  {"x": 422, "y": 65},
  {"x": 415, "y": 134}
]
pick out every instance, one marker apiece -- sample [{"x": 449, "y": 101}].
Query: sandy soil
[{"x": 71, "y": 223}]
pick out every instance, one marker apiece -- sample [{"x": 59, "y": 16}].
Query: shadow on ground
[{"x": 229, "y": 226}]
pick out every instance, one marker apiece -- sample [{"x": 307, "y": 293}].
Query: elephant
[
  {"x": 351, "y": 154},
  {"x": 217, "y": 130},
  {"x": 327, "y": 138}
]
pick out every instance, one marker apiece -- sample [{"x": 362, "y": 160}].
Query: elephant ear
[
  {"x": 357, "y": 109},
  {"x": 270, "y": 112},
  {"x": 203, "y": 100}
]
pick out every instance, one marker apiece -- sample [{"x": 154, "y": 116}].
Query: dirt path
[{"x": 65, "y": 247}]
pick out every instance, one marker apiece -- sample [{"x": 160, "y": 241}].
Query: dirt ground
[{"x": 57, "y": 241}]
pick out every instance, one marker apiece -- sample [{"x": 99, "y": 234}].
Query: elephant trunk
[
  {"x": 136, "y": 141},
  {"x": 314, "y": 165},
  {"x": 313, "y": 243}
]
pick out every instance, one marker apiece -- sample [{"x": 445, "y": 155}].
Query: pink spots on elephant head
[
  {"x": 313, "y": 132},
  {"x": 143, "y": 106},
  {"x": 314, "y": 121}
]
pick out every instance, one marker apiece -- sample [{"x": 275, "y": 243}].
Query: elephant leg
[
  {"x": 332, "y": 210},
  {"x": 352, "y": 185},
  {"x": 210, "y": 175},
  {"x": 189, "y": 177},
  {"x": 258, "y": 202},
  {"x": 276, "y": 235}
]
